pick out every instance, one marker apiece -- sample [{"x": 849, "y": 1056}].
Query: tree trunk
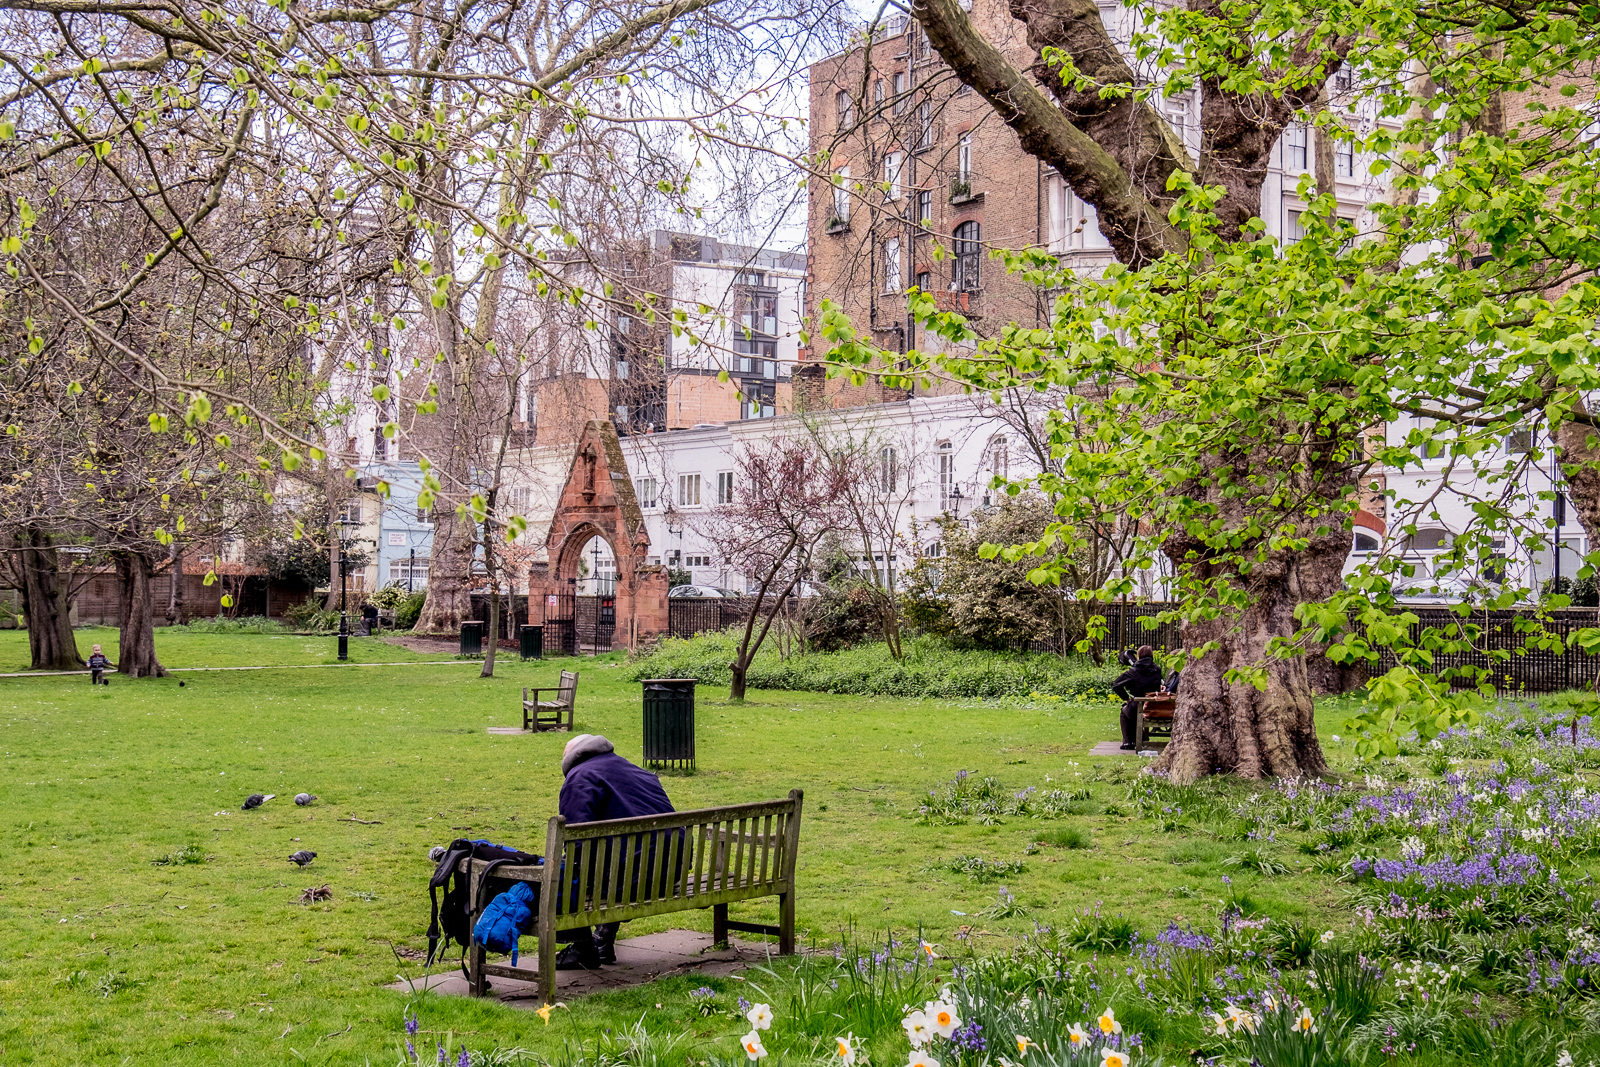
[
  {"x": 1235, "y": 728},
  {"x": 175, "y": 587},
  {"x": 494, "y": 588},
  {"x": 137, "y": 655},
  {"x": 449, "y": 571},
  {"x": 44, "y": 604},
  {"x": 736, "y": 687},
  {"x": 1578, "y": 451}
]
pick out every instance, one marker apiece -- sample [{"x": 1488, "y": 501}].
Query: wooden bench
[
  {"x": 621, "y": 869},
  {"x": 1154, "y": 717},
  {"x": 547, "y": 714}
]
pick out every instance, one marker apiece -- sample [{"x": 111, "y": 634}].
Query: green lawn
[{"x": 110, "y": 959}]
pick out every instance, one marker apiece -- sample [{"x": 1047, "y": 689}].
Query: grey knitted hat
[{"x": 581, "y": 748}]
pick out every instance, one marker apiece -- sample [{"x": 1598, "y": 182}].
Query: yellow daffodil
[
  {"x": 847, "y": 1050},
  {"x": 760, "y": 1016},
  {"x": 1112, "y": 1058},
  {"x": 941, "y": 1017},
  {"x": 1109, "y": 1024},
  {"x": 1024, "y": 1044},
  {"x": 919, "y": 1058},
  {"x": 544, "y": 1012},
  {"x": 918, "y": 1028},
  {"x": 1078, "y": 1037},
  {"x": 1306, "y": 1024},
  {"x": 753, "y": 1046}
]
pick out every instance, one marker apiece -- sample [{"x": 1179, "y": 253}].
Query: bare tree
[{"x": 788, "y": 498}]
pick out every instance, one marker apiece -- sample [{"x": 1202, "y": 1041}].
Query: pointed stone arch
[{"x": 597, "y": 500}]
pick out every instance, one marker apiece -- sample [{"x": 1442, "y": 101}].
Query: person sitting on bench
[
  {"x": 1139, "y": 680},
  {"x": 602, "y": 785}
]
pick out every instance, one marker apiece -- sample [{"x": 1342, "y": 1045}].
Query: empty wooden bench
[
  {"x": 548, "y": 714},
  {"x": 621, "y": 869}
]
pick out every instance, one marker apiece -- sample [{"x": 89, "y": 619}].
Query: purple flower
[
  {"x": 411, "y": 1026},
  {"x": 970, "y": 1038},
  {"x": 464, "y": 1060}
]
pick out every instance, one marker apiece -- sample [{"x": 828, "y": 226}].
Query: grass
[{"x": 113, "y": 956}]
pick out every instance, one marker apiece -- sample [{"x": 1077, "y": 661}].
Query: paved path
[
  {"x": 639, "y": 960},
  {"x": 478, "y": 663}
]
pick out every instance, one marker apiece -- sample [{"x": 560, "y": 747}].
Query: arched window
[
  {"x": 968, "y": 243},
  {"x": 845, "y": 109},
  {"x": 947, "y": 474},
  {"x": 1366, "y": 542}
]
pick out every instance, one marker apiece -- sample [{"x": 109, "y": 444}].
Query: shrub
[
  {"x": 250, "y": 624},
  {"x": 409, "y": 611},
  {"x": 931, "y": 668},
  {"x": 981, "y": 870},
  {"x": 1067, "y": 837},
  {"x": 1094, "y": 932}
]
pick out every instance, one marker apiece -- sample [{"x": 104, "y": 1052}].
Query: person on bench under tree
[
  {"x": 602, "y": 785},
  {"x": 1140, "y": 680}
]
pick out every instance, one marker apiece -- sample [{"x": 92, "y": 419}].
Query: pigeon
[
  {"x": 303, "y": 799},
  {"x": 301, "y": 858},
  {"x": 255, "y": 800}
]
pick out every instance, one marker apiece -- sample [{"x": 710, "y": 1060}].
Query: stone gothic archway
[{"x": 597, "y": 501}]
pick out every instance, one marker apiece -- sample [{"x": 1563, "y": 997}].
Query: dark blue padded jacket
[{"x": 607, "y": 786}]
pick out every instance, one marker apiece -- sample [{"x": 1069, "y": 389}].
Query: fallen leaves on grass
[{"x": 316, "y": 893}]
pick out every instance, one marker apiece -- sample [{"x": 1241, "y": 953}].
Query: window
[
  {"x": 925, "y": 124},
  {"x": 397, "y": 538},
  {"x": 350, "y": 514},
  {"x": 891, "y": 265},
  {"x": 891, "y": 174},
  {"x": 757, "y": 312},
  {"x": 689, "y": 490},
  {"x": 1344, "y": 79},
  {"x": 645, "y": 490},
  {"x": 947, "y": 474},
  {"x": 1293, "y": 229},
  {"x": 1177, "y": 112},
  {"x": 924, "y": 280},
  {"x": 531, "y": 417},
  {"x": 888, "y": 469},
  {"x": 899, "y": 92},
  {"x": 877, "y": 93},
  {"x": 754, "y": 356},
  {"x": 967, "y": 248},
  {"x": 518, "y": 498},
  {"x": 1366, "y": 543},
  {"x": 760, "y": 398},
  {"x": 1074, "y": 225},
  {"x": 964, "y": 159},
  {"x": 1294, "y": 148},
  {"x": 841, "y": 194},
  {"x": 1344, "y": 159},
  {"x": 844, "y": 109},
  {"x": 697, "y": 561},
  {"x": 999, "y": 459},
  {"x": 401, "y": 570},
  {"x": 724, "y": 487},
  {"x": 422, "y": 515},
  {"x": 924, "y": 216},
  {"x": 1520, "y": 442}
]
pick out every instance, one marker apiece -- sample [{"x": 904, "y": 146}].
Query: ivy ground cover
[{"x": 954, "y": 855}]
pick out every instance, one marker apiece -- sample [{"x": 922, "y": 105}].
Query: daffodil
[
  {"x": 1233, "y": 1014},
  {"x": 760, "y": 1016},
  {"x": 930, "y": 950},
  {"x": 1111, "y": 1057},
  {"x": 544, "y": 1012},
  {"x": 1221, "y": 1023},
  {"x": 753, "y": 1046},
  {"x": 920, "y": 1058},
  {"x": 1078, "y": 1037},
  {"x": 1269, "y": 1002},
  {"x": 1248, "y": 1022},
  {"x": 1306, "y": 1024},
  {"x": 1024, "y": 1044},
  {"x": 847, "y": 1050},
  {"x": 1109, "y": 1024},
  {"x": 918, "y": 1028},
  {"x": 941, "y": 1017}
]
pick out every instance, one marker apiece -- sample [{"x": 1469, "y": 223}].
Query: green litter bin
[
  {"x": 472, "y": 639},
  {"x": 669, "y": 723},
  {"x": 533, "y": 642}
]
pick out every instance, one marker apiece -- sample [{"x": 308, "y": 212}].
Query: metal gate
[{"x": 575, "y": 623}]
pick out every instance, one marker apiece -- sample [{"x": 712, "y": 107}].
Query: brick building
[{"x": 927, "y": 181}]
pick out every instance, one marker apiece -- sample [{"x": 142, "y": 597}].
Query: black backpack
[{"x": 454, "y": 920}]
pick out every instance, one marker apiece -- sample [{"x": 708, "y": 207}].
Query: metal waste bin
[
  {"x": 533, "y": 642},
  {"x": 472, "y": 639},
  {"x": 669, "y": 723}
]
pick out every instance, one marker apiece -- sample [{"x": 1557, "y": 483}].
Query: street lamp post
[
  {"x": 344, "y": 571},
  {"x": 955, "y": 501}
]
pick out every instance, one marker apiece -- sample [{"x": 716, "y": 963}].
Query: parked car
[{"x": 710, "y": 592}]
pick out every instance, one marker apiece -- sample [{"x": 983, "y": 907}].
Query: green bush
[
  {"x": 409, "y": 611},
  {"x": 311, "y": 616},
  {"x": 931, "y": 668}
]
